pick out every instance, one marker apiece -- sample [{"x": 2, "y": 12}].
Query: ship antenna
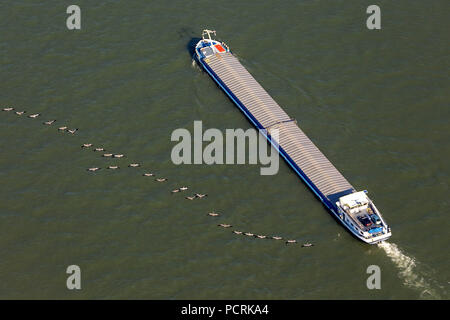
[{"x": 208, "y": 33}]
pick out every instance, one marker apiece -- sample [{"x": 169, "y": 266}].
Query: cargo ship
[{"x": 354, "y": 209}]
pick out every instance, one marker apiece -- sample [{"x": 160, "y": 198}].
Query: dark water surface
[{"x": 375, "y": 102}]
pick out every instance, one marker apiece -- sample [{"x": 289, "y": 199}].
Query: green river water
[{"x": 376, "y": 102}]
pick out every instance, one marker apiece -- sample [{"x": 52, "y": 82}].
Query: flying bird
[
  {"x": 86, "y": 145},
  {"x": 93, "y": 169},
  {"x": 49, "y": 123},
  {"x": 213, "y": 214},
  {"x": 8, "y": 109},
  {"x": 113, "y": 167},
  {"x": 305, "y": 245},
  {"x": 35, "y": 115},
  {"x": 148, "y": 174},
  {"x": 224, "y": 225},
  {"x": 72, "y": 131},
  {"x": 134, "y": 165},
  {"x": 19, "y": 113},
  {"x": 161, "y": 179}
]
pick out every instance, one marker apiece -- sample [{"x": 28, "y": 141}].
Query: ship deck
[{"x": 294, "y": 145}]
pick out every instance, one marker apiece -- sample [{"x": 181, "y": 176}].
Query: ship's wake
[
  {"x": 195, "y": 65},
  {"x": 408, "y": 271}
]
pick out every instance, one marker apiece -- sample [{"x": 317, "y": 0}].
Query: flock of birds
[
  {"x": 258, "y": 236},
  {"x": 148, "y": 174}
]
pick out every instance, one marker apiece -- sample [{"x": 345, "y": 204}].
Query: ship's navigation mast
[{"x": 208, "y": 33}]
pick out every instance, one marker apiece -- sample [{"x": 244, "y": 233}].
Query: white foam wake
[
  {"x": 195, "y": 65},
  {"x": 408, "y": 270}
]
